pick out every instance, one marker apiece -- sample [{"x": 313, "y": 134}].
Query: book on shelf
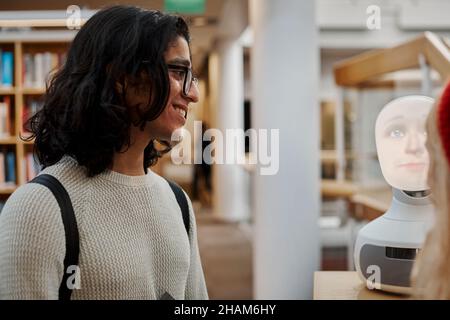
[
  {"x": 32, "y": 168},
  {"x": 10, "y": 175},
  {"x": 7, "y": 169},
  {"x": 2, "y": 169},
  {"x": 6, "y": 68},
  {"x": 5, "y": 121},
  {"x": 39, "y": 67},
  {"x": 28, "y": 71},
  {"x": 31, "y": 106}
]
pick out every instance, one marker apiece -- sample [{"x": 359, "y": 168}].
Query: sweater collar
[
  {"x": 116, "y": 177},
  {"x": 134, "y": 181}
]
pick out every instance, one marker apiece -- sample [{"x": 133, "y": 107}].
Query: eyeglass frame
[{"x": 188, "y": 74}]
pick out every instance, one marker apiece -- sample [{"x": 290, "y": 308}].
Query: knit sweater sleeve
[
  {"x": 32, "y": 245},
  {"x": 195, "y": 287}
]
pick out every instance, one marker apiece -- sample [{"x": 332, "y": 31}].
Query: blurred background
[{"x": 317, "y": 71}]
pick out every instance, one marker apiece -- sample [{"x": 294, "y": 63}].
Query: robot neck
[
  {"x": 415, "y": 198},
  {"x": 407, "y": 206}
]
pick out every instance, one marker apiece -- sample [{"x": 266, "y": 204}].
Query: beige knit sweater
[{"x": 133, "y": 243}]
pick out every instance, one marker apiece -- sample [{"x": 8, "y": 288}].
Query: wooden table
[{"x": 346, "y": 285}]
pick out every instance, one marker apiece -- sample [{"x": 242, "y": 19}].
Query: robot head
[{"x": 400, "y": 139}]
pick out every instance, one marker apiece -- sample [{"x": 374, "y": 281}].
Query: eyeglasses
[{"x": 183, "y": 74}]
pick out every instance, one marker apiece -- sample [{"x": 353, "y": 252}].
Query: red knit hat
[{"x": 443, "y": 120}]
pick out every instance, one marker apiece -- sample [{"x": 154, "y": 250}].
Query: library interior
[{"x": 284, "y": 154}]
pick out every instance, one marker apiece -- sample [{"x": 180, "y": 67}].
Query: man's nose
[
  {"x": 193, "y": 93},
  {"x": 414, "y": 144}
]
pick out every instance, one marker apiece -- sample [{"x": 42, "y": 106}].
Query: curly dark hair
[{"x": 84, "y": 115}]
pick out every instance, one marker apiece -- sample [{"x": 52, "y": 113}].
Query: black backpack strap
[
  {"x": 182, "y": 202},
  {"x": 70, "y": 228}
]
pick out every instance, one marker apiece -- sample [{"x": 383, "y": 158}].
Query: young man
[{"x": 127, "y": 83}]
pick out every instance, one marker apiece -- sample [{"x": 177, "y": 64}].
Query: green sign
[{"x": 185, "y": 6}]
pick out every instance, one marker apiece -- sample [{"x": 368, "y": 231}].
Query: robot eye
[{"x": 397, "y": 133}]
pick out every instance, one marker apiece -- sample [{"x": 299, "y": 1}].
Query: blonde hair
[{"x": 431, "y": 271}]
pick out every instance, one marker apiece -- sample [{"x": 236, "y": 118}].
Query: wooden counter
[
  {"x": 345, "y": 285},
  {"x": 369, "y": 204},
  {"x": 337, "y": 189},
  {"x": 364, "y": 203}
]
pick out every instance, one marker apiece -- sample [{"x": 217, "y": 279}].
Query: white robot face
[{"x": 400, "y": 139}]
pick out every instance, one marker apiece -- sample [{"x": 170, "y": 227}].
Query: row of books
[
  {"x": 32, "y": 168},
  {"x": 38, "y": 67},
  {"x": 6, "y": 68},
  {"x": 7, "y": 168},
  {"x": 5, "y": 119},
  {"x": 31, "y": 106}
]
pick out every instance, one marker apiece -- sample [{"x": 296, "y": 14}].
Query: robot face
[{"x": 400, "y": 139}]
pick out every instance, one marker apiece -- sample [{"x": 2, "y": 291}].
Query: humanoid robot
[{"x": 385, "y": 248}]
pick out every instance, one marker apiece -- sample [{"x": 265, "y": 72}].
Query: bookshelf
[{"x": 22, "y": 96}]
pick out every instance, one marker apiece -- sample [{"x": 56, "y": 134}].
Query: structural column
[
  {"x": 230, "y": 185},
  {"x": 285, "y": 76}
]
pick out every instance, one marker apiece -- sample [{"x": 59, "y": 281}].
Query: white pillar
[
  {"x": 229, "y": 180},
  {"x": 285, "y": 96},
  {"x": 339, "y": 135}
]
